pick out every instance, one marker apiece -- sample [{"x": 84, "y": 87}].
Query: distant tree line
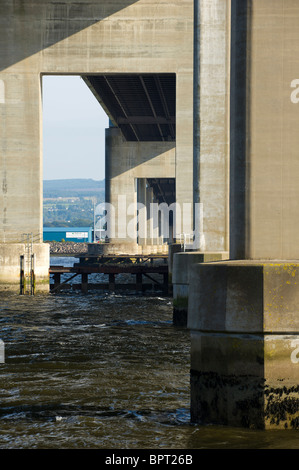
[{"x": 72, "y": 202}]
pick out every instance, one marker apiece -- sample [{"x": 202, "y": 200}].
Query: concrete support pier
[
  {"x": 244, "y": 313},
  {"x": 245, "y": 340},
  {"x": 182, "y": 262},
  {"x": 22, "y": 270},
  {"x": 210, "y": 150}
]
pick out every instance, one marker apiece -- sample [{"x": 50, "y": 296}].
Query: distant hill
[{"x": 73, "y": 188}]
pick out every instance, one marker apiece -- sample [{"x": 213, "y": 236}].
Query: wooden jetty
[{"x": 139, "y": 266}]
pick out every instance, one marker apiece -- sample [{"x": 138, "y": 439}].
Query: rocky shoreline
[{"x": 67, "y": 248}]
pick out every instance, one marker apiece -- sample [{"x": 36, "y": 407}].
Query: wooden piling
[{"x": 84, "y": 282}]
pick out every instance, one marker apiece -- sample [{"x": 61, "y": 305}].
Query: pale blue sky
[{"x": 73, "y": 130}]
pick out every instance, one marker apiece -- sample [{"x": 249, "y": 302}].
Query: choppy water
[{"x": 104, "y": 371}]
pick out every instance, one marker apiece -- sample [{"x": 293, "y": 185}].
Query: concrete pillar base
[
  {"x": 180, "y": 280},
  {"x": 115, "y": 248},
  {"x": 172, "y": 249},
  {"x": 112, "y": 248},
  {"x": 10, "y": 266},
  {"x": 244, "y": 324},
  {"x": 153, "y": 249}
]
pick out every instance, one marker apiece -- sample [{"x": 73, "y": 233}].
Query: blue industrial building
[{"x": 68, "y": 234}]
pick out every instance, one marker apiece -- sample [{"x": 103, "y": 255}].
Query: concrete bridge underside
[
  {"x": 142, "y": 114},
  {"x": 138, "y": 61},
  {"x": 137, "y": 58},
  {"x": 212, "y": 122}
]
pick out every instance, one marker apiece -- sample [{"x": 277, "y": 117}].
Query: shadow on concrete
[
  {"x": 239, "y": 170},
  {"x": 134, "y": 155},
  {"x": 29, "y": 26}
]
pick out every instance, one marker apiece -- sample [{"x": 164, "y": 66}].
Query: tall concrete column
[
  {"x": 142, "y": 211},
  {"x": 210, "y": 147},
  {"x": 243, "y": 313},
  {"x": 184, "y": 148},
  {"x": 211, "y": 121},
  {"x": 121, "y": 194},
  {"x": 150, "y": 226},
  {"x": 21, "y": 179}
]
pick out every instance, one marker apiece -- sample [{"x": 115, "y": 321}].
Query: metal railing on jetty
[{"x": 27, "y": 264}]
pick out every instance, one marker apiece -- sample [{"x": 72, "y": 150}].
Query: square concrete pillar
[
  {"x": 21, "y": 180},
  {"x": 149, "y": 221},
  {"x": 245, "y": 343},
  {"x": 182, "y": 262}
]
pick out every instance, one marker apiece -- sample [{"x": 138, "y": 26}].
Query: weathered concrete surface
[
  {"x": 125, "y": 249},
  {"x": 264, "y": 130},
  {"x": 211, "y": 121},
  {"x": 182, "y": 262},
  {"x": 245, "y": 296},
  {"x": 173, "y": 248},
  {"x": 245, "y": 337},
  {"x": 10, "y": 266},
  {"x": 247, "y": 381},
  {"x": 90, "y": 37}
]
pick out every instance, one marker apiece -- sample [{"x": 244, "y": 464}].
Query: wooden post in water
[
  {"x": 111, "y": 281},
  {"x": 56, "y": 280},
  {"x": 32, "y": 275},
  {"x": 22, "y": 276},
  {"x": 84, "y": 282},
  {"x": 139, "y": 282},
  {"x": 165, "y": 282}
]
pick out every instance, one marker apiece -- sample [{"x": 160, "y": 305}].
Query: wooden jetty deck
[{"x": 139, "y": 266}]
